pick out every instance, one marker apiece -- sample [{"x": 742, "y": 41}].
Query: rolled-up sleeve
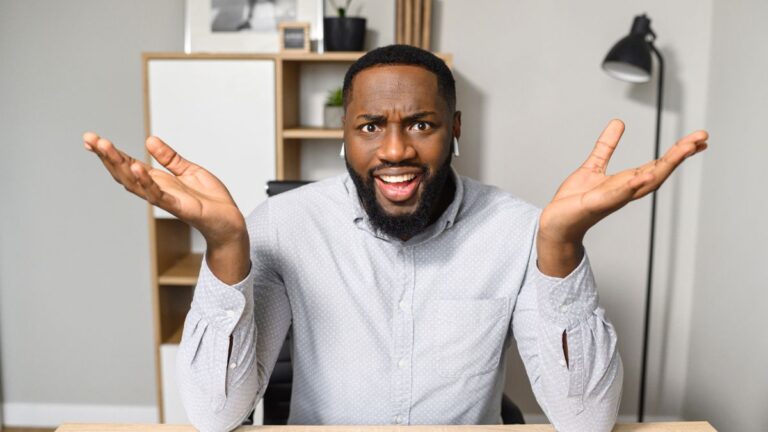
[
  {"x": 581, "y": 392},
  {"x": 220, "y": 384}
]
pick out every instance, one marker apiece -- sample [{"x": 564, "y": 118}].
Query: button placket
[{"x": 402, "y": 371}]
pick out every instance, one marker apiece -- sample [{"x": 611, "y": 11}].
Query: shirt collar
[{"x": 446, "y": 220}]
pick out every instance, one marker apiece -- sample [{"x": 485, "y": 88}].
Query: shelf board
[
  {"x": 183, "y": 272},
  {"x": 313, "y": 133},
  {"x": 175, "y": 338},
  {"x": 339, "y": 56}
]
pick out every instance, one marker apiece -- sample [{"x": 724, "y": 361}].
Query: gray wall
[
  {"x": 727, "y": 378},
  {"x": 74, "y": 269}
]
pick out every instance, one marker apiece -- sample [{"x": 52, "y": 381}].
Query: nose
[{"x": 395, "y": 147}]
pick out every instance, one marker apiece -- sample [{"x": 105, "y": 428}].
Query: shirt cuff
[
  {"x": 221, "y": 305},
  {"x": 567, "y": 301}
]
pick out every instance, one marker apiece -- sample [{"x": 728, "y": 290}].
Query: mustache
[{"x": 382, "y": 165}]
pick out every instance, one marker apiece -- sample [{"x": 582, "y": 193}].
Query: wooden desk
[{"x": 633, "y": 427}]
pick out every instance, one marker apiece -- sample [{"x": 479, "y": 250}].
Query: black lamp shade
[{"x": 630, "y": 59}]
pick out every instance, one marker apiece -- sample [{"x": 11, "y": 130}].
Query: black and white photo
[{"x": 251, "y": 15}]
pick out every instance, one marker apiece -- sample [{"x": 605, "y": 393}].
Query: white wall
[
  {"x": 74, "y": 271},
  {"x": 75, "y": 310},
  {"x": 727, "y": 379}
]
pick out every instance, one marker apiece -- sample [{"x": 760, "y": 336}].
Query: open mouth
[{"x": 398, "y": 188}]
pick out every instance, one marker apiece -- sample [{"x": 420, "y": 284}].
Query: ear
[{"x": 457, "y": 124}]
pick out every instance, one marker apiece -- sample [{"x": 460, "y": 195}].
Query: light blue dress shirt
[{"x": 393, "y": 332}]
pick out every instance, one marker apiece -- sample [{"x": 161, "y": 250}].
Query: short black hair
[{"x": 405, "y": 55}]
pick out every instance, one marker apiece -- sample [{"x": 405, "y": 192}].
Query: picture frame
[
  {"x": 200, "y": 36},
  {"x": 294, "y": 36}
]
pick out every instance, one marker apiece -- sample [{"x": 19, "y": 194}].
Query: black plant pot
[{"x": 344, "y": 34}]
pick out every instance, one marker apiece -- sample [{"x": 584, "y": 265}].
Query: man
[{"x": 401, "y": 281}]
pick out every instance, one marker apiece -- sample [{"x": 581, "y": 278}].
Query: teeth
[{"x": 397, "y": 179}]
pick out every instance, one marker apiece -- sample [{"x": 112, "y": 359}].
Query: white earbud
[
  {"x": 455, "y": 146},
  {"x": 341, "y": 153}
]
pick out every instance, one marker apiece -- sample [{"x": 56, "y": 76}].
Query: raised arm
[
  {"x": 589, "y": 194},
  {"x": 223, "y": 367},
  {"x": 566, "y": 342},
  {"x": 188, "y": 192}
]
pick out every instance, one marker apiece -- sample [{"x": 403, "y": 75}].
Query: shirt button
[
  {"x": 398, "y": 419},
  {"x": 562, "y": 363},
  {"x": 232, "y": 365},
  {"x": 403, "y": 306},
  {"x": 230, "y": 313},
  {"x": 401, "y": 363},
  {"x": 563, "y": 308}
]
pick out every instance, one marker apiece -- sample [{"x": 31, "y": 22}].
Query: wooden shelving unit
[{"x": 175, "y": 266}]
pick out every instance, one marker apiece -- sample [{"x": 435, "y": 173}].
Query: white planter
[{"x": 332, "y": 116}]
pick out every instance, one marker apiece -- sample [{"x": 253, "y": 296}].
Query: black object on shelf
[
  {"x": 275, "y": 187},
  {"x": 344, "y": 33},
  {"x": 630, "y": 60}
]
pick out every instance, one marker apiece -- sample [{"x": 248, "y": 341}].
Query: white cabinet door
[{"x": 219, "y": 114}]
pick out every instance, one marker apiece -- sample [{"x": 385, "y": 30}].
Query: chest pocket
[{"x": 470, "y": 335}]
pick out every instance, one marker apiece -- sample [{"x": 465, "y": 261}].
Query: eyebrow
[{"x": 378, "y": 119}]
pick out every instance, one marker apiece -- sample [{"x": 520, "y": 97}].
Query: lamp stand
[{"x": 649, "y": 280}]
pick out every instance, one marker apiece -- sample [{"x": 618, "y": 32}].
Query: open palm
[
  {"x": 189, "y": 192},
  {"x": 589, "y": 194}
]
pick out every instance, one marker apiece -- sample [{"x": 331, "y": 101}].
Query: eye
[
  {"x": 421, "y": 126},
  {"x": 369, "y": 127}
]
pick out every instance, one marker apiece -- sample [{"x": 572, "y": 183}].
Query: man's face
[{"x": 398, "y": 132}]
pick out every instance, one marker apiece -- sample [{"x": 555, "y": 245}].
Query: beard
[{"x": 408, "y": 225}]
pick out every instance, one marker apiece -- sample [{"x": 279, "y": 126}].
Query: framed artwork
[
  {"x": 294, "y": 36},
  {"x": 251, "y": 26}
]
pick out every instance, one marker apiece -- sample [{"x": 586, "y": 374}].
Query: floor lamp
[{"x": 630, "y": 60}]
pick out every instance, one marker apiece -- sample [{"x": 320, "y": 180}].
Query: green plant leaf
[{"x": 335, "y": 97}]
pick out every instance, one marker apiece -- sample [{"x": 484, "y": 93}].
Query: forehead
[{"x": 395, "y": 84}]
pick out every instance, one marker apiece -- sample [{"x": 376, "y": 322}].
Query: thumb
[{"x": 167, "y": 156}]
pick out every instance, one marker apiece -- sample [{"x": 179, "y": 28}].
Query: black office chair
[{"x": 277, "y": 397}]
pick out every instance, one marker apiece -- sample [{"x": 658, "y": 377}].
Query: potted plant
[
  {"x": 333, "y": 113},
  {"x": 343, "y": 33}
]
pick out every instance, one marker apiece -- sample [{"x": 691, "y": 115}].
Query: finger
[
  {"x": 700, "y": 147},
  {"x": 108, "y": 150},
  {"x": 152, "y": 191},
  {"x": 622, "y": 189},
  {"x": 683, "y": 149},
  {"x": 604, "y": 147},
  {"x": 116, "y": 162},
  {"x": 167, "y": 156},
  {"x": 120, "y": 162},
  {"x": 89, "y": 140}
]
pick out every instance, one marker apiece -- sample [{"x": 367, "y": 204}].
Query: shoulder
[
  {"x": 318, "y": 194},
  {"x": 493, "y": 204},
  {"x": 322, "y": 198}
]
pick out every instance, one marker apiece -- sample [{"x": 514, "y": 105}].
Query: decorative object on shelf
[
  {"x": 414, "y": 23},
  {"x": 344, "y": 33},
  {"x": 246, "y": 25},
  {"x": 333, "y": 113},
  {"x": 294, "y": 36},
  {"x": 630, "y": 60}
]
